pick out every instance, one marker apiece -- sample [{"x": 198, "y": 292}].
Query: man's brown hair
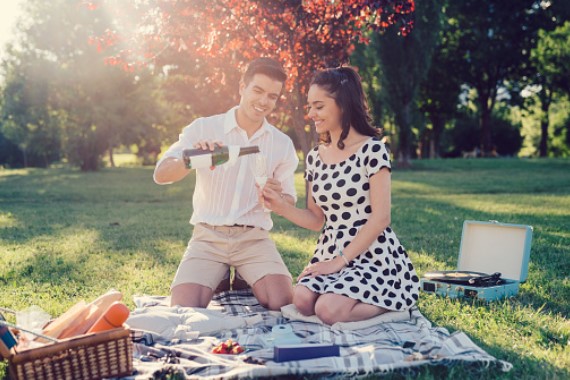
[{"x": 267, "y": 66}]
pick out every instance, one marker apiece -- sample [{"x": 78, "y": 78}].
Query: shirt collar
[{"x": 230, "y": 122}]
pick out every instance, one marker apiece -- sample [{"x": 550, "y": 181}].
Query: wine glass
[{"x": 260, "y": 172}]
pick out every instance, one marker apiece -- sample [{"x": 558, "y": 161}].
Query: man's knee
[
  {"x": 271, "y": 304},
  {"x": 276, "y": 302},
  {"x": 274, "y": 291},
  {"x": 190, "y": 295}
]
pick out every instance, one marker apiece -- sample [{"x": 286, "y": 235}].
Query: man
[{"x": 231, "y": 227}]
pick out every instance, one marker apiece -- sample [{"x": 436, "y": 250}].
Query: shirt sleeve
[
  {"x": 309, "y": 167},
  {"x": 186, "y": 140},
  {"x": 377, "y": 157},
  {"x": 285, "y": 171}
]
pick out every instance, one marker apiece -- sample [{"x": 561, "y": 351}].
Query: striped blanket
[{"x": 402, "y": 346}]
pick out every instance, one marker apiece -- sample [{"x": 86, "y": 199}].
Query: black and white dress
[{"x": 383, "y": 275}]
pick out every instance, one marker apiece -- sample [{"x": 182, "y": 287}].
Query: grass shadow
[{"x": 66, "y": 235}]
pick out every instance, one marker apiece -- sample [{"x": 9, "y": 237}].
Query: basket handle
[{"x": 8, "y": 324}]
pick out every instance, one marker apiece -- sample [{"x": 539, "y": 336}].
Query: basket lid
[{"x": 491, "y": 247}]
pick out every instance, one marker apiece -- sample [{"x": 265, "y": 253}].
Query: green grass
[{"x": 67, "y": 236}]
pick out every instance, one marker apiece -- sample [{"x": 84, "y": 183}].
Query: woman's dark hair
[{"x": 345, "y": 87}]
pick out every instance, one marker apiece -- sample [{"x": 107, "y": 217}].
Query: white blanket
[
  {"x": 398, "y": 342},
  {"x": 168, "y": 323}
]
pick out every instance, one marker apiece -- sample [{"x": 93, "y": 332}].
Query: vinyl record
[
  {"x": 465, "y": 278},
  {"x": 453, "y": 275}
]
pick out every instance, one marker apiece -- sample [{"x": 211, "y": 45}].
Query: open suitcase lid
[{"x": 491, "y": 247}]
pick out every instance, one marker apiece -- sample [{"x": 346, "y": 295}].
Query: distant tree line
[{"x": 467, "y": 79}]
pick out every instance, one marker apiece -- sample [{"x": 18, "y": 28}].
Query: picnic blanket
[{"x": 401, "y": 345}]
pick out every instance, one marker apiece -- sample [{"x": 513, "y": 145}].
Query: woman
[{"x": 359, "y": 268}]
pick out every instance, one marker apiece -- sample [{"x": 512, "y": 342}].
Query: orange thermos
[{"x": 114, "y": 317}]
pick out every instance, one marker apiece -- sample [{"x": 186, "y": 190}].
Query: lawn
[{"x": 67, "y": 235}]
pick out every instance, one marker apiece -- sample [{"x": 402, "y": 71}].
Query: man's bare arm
[{"x": 169, "y": 171}]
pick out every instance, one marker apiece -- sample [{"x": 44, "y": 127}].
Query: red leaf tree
[{"x": 203, "y": 42}]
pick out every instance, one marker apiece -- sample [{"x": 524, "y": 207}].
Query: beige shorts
[{"x": 213, "y": 249}]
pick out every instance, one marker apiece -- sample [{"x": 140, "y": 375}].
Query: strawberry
[{"x": 229, "y": 347}]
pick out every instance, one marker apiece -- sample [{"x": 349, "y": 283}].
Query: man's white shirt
[{"x": 227, "y": 195}]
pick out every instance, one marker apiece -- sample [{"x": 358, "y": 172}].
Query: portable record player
[{"x": 493, "y": 261}]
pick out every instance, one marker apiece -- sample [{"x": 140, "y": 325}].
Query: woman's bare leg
[
  {"x": 304, "y": 300},
  {"x": 332, "y": 308}
]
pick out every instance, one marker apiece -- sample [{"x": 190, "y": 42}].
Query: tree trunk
[
  {"x": 111, "y": 158},
  {"x": 302, "y": 136},
  {"x": 25, "y": 156},
  {"x": 404, "y": 136},
  {"x": 306, "y": 140},
  {"x": 485, "y": 124},
  {"x": 543, "y": 147},
  {"x": 90, "y": 163},
  {"x": 545, "y": 99},
  {"x": 438, "y": 124}
]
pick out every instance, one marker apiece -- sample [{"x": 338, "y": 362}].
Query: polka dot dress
[{"x": 383, "y": 275}]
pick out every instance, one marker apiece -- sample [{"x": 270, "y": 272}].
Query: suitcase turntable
[{"x": 492, "y": 262}]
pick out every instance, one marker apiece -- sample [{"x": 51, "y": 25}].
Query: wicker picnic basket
[{"x": 86, "y": 357}]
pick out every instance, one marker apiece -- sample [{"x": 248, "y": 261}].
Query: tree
[
  {"x": 90, "y": 106},
  {"x": 304, "y": 35},
  {"x": 366, "y": 59},
  {"x": 551, "y": 57},
  {"x": 495, "y": 38},
  {"x": 462, "y": 138},
  {"x": 10, "y": 155},
  {"x": 404, "y": 63},
  {"x": 26, "y": 120},
  {"x": 439, "y": 92},
  {"x": 145, "y": 116}
]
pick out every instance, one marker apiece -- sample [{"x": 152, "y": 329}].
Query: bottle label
[
  {"x": 233, "y": 153},
  {"x": 201, "y": 161}
]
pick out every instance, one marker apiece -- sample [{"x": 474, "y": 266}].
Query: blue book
[{"x": 288, "y": 352}]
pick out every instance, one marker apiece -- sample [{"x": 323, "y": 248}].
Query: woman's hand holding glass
[
  {"x": 260, "y": 173},
  {"x": 272, "y": 195},
  {"x": 269, "y": 189}
]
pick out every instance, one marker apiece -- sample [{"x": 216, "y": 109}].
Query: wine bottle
[{"x": 202, "y": 158}]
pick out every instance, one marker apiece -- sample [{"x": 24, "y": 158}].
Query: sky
[{"x": 9, "y": 11}]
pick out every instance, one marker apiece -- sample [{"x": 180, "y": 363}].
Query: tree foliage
[
  {"x": 495, "y": 38},
  {"x": 463, "y": 137},
  {"x": 440, "y": 90},
  {"x": 404, "y": 64},
  {"x": 27, "y": 121},
  {"x": 224, "y": 34},
  {"x": 551, "y": 57},
  {"x": 60, "y": 98},
  {"x": 154, "y": 65}
]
